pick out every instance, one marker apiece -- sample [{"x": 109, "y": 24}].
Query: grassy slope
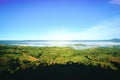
[{"x": 15, "y": 58}]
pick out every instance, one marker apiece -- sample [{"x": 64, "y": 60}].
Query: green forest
[{"x": 14, "y": 59}]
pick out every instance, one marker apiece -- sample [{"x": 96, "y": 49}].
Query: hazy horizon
[{"x": 61, "y": 40}]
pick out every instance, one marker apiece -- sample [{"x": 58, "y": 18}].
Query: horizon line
[{"x": 56, "y": 39}]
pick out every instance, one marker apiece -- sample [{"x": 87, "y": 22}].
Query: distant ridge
[{"x": 115, "y": 40}]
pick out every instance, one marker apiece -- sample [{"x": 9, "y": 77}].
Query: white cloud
[
  {"x": 106, "y": 30},
  {"x": 115, "y": 1}
]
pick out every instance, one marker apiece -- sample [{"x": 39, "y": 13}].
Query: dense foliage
[{"x": 15, "y": 58}]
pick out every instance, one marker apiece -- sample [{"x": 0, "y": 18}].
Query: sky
[{"x": 59, "y": 19}]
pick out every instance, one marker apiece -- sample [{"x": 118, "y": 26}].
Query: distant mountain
[{"x": 115, "y": 40}]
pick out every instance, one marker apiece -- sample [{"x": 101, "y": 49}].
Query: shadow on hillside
[{"x": 64, "y": 72}]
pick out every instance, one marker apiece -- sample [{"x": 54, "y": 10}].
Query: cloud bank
[{"x": 106, "y": 30}]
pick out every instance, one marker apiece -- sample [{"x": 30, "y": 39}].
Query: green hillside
[{"x": 16, "y": 58}]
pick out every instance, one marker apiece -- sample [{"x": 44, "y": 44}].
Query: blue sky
[{"x": 59, "y": 19}]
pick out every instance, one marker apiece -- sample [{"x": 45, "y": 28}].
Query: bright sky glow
[{"x": 59, "y": 19}]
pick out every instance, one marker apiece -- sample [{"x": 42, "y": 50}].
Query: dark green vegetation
[{"x": 58, "y": 63}]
